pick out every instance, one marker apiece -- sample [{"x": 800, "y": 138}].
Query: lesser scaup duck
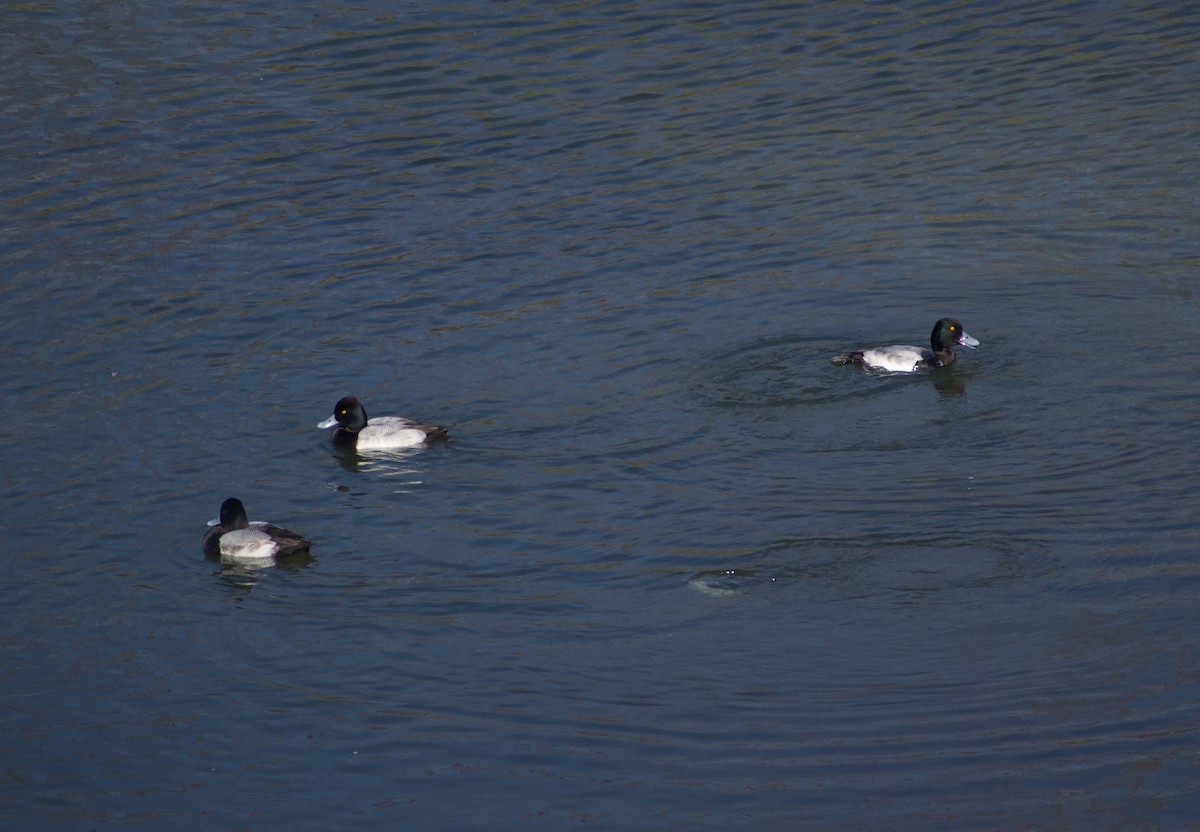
[
  {"x": 899, "y": 358},
  {"x": 351, "y": 426},
  {"x": 233, "y": 537}
]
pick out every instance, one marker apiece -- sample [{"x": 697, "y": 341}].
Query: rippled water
[{"x": 675, "y": 570}]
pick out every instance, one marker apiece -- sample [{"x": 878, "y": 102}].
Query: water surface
[{"x": 675, "y": 570}]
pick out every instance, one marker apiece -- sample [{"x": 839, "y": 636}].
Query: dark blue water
[{"x": 675, "y": 570}]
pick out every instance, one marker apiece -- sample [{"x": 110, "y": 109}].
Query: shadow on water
[
  {"x": 239, "y": 579},
  {"x": 400, "y": 469}
]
